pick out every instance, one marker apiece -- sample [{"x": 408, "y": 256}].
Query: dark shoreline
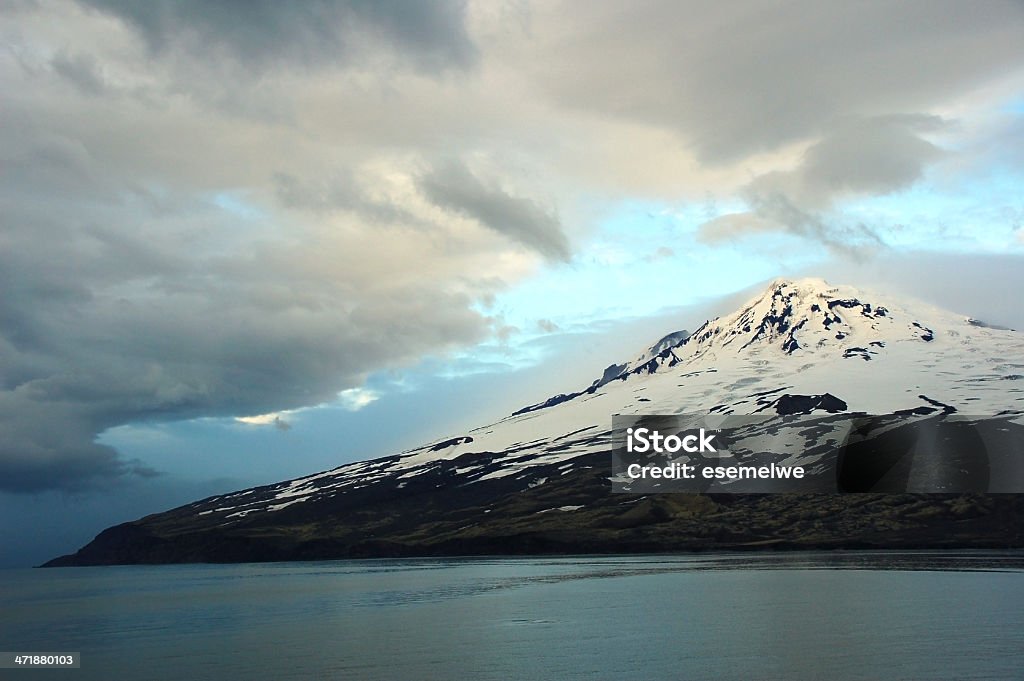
[{"x": 789, "y": 558}]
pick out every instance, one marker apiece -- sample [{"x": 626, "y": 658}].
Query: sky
[{"x": 246, "y": 241}]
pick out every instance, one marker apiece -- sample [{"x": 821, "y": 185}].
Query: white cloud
[
  {"x": 261, "y": 419},
  {"x": 355, "y": 399}
]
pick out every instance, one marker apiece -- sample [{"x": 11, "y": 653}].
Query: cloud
[
  {"x": 547, "y": 326},
  {"x": 454, "y": 187},
  {"x": 81, "y": 71},
  {"x": 259, "y": 33},
  {"x": 339, "y": 193},
  {"x": 660, "y": 253},
  {"x": 115, "y": 312},
  {"x": 860, "y": 157},
  {"x": 742, "y": 78},
  {"x": 355, "y": 399},
  {"x": 874, "y": 155},
  {"x": 275, "y": 419},
  {"x": 504, "y": 332}
]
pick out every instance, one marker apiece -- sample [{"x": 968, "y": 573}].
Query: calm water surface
[{"x": 791, "y": 616}]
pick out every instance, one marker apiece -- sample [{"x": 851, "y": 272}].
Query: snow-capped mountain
[{"x": 537, "y": 480}]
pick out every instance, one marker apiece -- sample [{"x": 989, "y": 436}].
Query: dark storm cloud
[
  {"x": 139, "y": 319},
  {"x": 257, "y": 32},
  {"x": 146, "y": 271},
  {"x": 454, "y": 187}
]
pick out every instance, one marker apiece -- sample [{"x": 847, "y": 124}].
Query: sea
[{"x": 832, "y": 615}]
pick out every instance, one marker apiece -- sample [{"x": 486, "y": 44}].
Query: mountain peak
[
  {"x": 801, "y": 285},
  {"x": 809, "y": 313},
  {"x": 802, "y": 317}
]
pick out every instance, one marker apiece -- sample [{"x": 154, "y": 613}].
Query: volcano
[{"x": 538, "y": 481}]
